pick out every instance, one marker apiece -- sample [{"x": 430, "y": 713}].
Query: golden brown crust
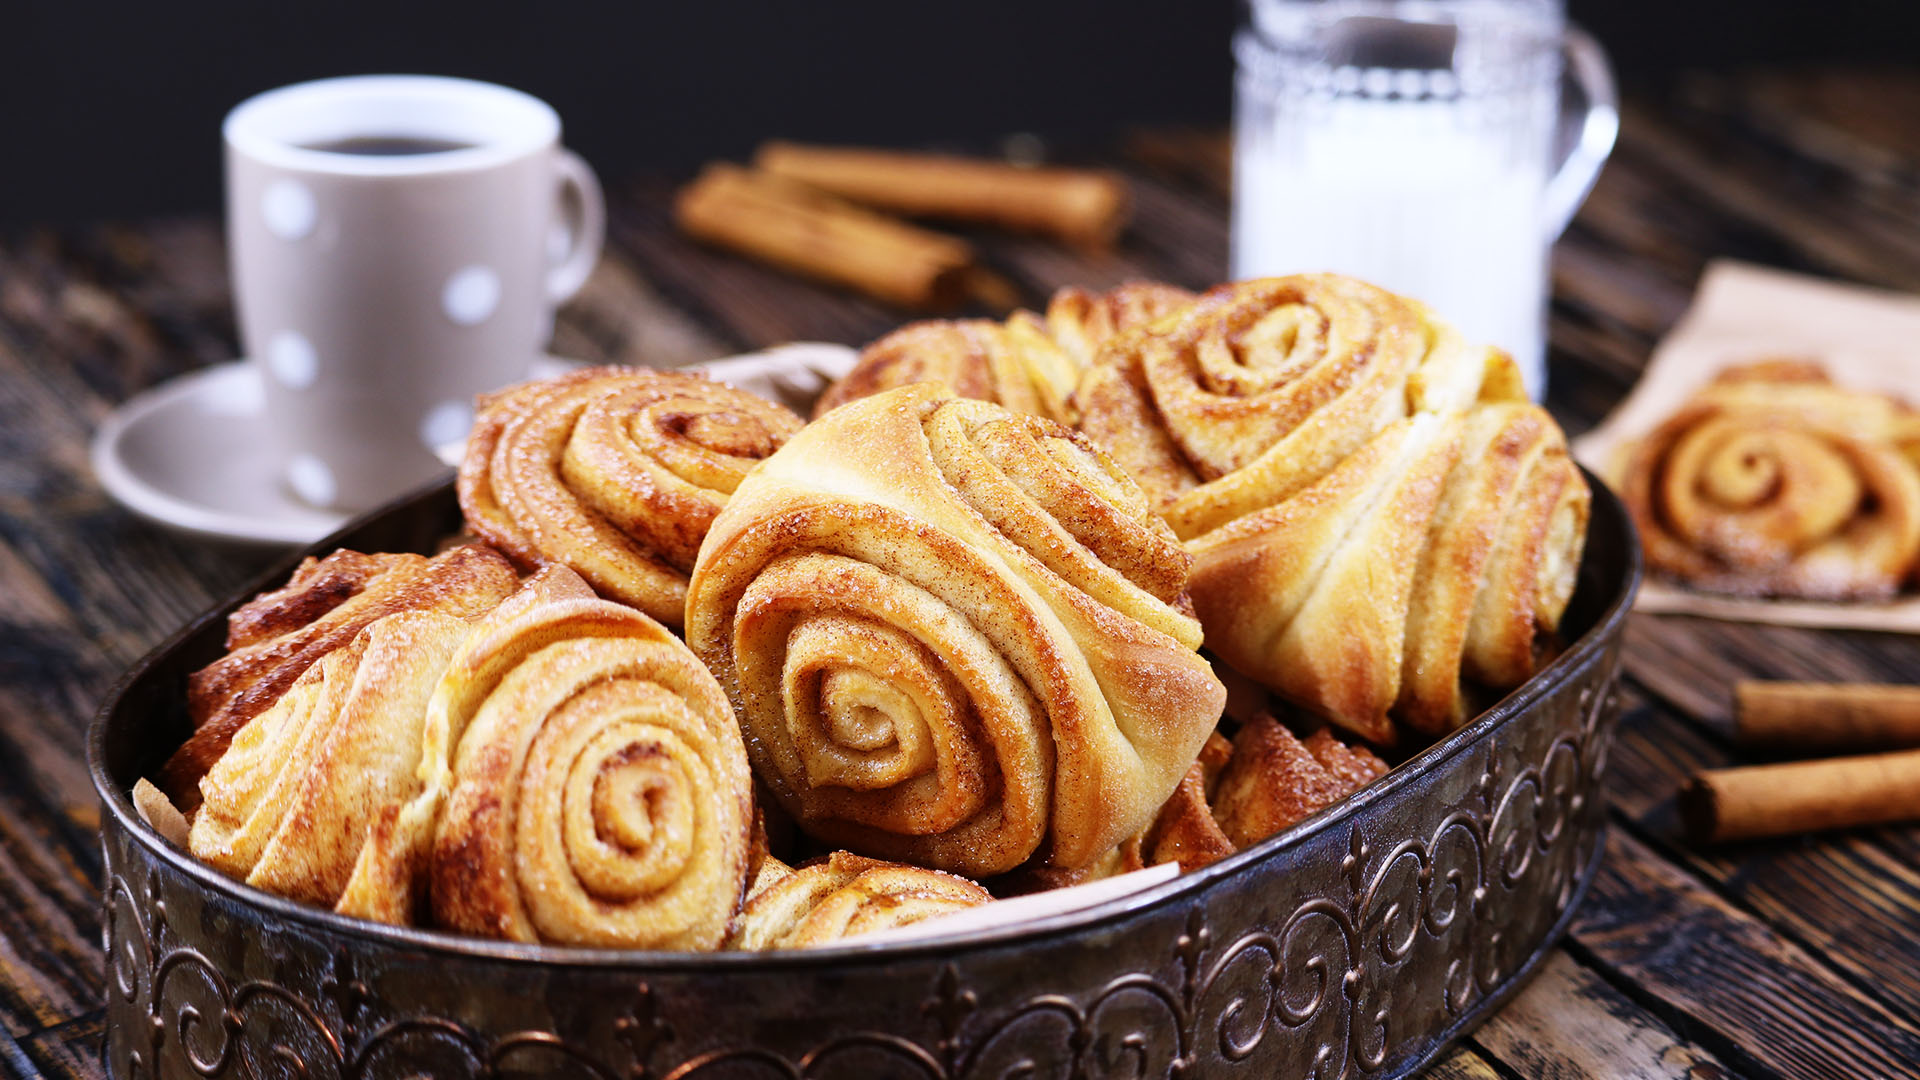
[
  {"x": 1274, "y": 779},
  {"x": 599, "y": 793},
  {"x": 1352, "y": 764},
  {"x": 1775, "y": 371},
  {"x": 303, "y": 801},
  {"x": 277, "y": 636},
  {"x": 1186, "y": 831},
  {"x": 1029, "y": 364},
  {"x": 913, "y": 608},
  {"x": 1310, "y": 596},
  {"x": 1213, "y": 758},
  {"x": 843, "y": 896},
  {"x": 1007, "y": 364},
  {"x": 1774, "y": 482},
  {"x": 1253, "y": 391},
  {"x": 1501, "y": 558},
  {"x": 1082, "y": 321},
  {"x": 614, "y": 472},
  {"x": 1441, "y": 548}
]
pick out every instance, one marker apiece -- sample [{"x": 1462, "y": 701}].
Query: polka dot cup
[{"x": 399, "y": 244}]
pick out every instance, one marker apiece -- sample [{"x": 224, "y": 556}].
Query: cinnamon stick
[
  {"x": 1079, "y": 206},
  {"x": 1802, "y": 796},
  {"x": 1814, "y": 717},
  {"x": 815, "y": 234}
]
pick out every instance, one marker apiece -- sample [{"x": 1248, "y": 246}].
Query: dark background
[{"x": 113, "y": 110}]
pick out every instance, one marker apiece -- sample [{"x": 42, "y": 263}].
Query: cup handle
[
  {"x": 1587, "y": 62},
  {"x": 586, "y": 230}
]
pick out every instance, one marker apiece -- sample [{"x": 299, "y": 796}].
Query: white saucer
[{"x": 186, "y": 455}]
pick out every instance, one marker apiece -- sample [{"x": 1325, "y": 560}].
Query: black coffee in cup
[
  {"x": 388, "y": 145},
  {"x": 393, "y": 243}
]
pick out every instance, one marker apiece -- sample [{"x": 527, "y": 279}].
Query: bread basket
[{"x": 1360, "y": 942}]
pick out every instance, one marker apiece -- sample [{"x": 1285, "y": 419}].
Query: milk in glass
[{"x": 1406, "y": 144}]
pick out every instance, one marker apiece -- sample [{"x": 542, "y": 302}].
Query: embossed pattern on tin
[{"x": 1357, "y": 943}]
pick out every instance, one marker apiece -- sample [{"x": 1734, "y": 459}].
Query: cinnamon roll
[
  {"x": 1501, "y": 561},
  {"x": 1253, "y": 391},
  {"x": 614, "y": 472},
  {"x": 1805, "y": 390},
  {"x": 1185, "y": 831},
  {"x": 597, "y": 791},
  {"x": 1238, "y": 793},
  {"x": 1274, "y": 779},
  {"x": 955, "y": 636},
  {"x": 1029, "y": 364},
  {"x": 305, "y": 800},
  {"x": 843, "y": 896},
  {"x": 1445, "y": 546},
  {"x": 1013, "y": 364},
  {"x": 1082, "y": 321},
  {"x": 1774, "y": 482},
  {"x": 275, "y": 638}
]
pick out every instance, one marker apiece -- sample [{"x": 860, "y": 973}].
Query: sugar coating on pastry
[
  {"x": 304, "y": 801},
  {"x": 614, "y": 472},
  {"x": 1029, "y": 363},
  {"x": 1274, "y": 779},
  {"x": 1256, "y": 389},
  {"x": 955, "y": 636},
  {"x": 592, "y": 784},
  {"x": 1441, "y": 552},
  {"x": 1774, "y": 481},
  {"x": 843, "y": 896},
  {"x": 275, "y": 638}
]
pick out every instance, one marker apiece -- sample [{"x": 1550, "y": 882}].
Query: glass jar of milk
[{"x": 1412, "y": 143}]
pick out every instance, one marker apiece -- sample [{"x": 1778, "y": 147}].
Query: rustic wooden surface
[{"x": 1792, "y": 959}]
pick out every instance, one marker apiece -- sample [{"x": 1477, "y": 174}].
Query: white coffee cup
[{"x": 399, "y": 244}]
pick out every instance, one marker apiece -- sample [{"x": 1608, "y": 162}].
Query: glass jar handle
[{"x": 1587, "y": 62}]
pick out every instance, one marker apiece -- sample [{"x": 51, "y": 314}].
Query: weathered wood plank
[
  {"x": 1569, "y": 1024},
  {"x": 618, "y": 318},
  {"x": 1847, "y": 896},
  {"x": 60, "y": 373},
  {"x": 1785, "y": 205},
  {"x": 1184, "y": 240},
  {"x": 127, "y": 584},
  {"x": 50, "y": 962},
  {"x": 1039, "y": 267},
  {"x": 1462, "y": 1064},
  {"x": 1731, "y": 982},
  {"x": 1784, "y": 959},
  {"x": 1856, "y": 123},
  {"x": 71, "y": 1051},
  {"x": 123, "y": 307},
  {"x": 1664, "y": 229},
  {"x": 1199, "y": 161},
  {"x": 1634, "y": 301},
  {"x": 87, "y": 590},
  {"x": 1693, "y": 663},
  {"x": 1581, "y": 391}
]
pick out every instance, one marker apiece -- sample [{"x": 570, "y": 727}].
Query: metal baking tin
[{"x": 1359, "y": 943}]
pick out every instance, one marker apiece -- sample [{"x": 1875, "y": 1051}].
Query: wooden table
[{"x": 1791, "y": 959}]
